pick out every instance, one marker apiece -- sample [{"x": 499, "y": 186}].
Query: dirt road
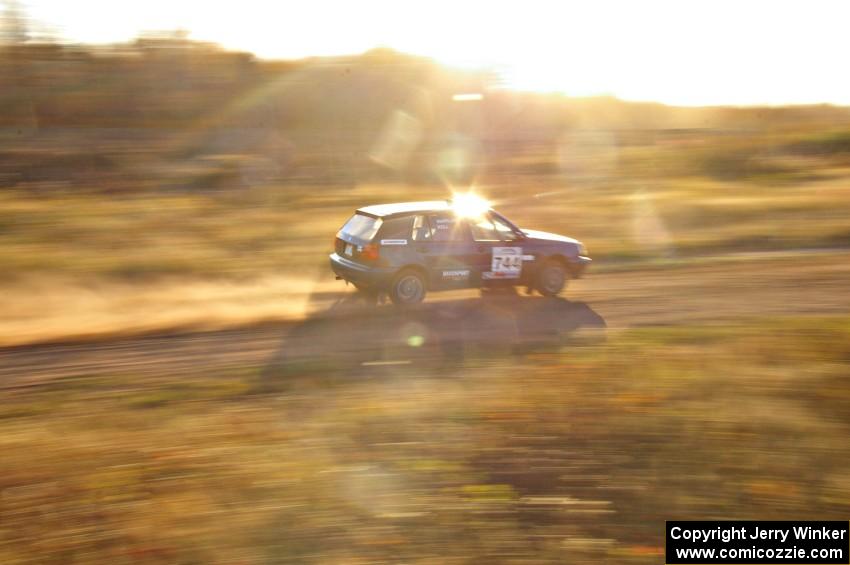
[{"x": 343, "y": 330}]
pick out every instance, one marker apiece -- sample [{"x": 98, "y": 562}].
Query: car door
[
  {"x": 446, "y": 249},
  {"x": 498, "y": 251}
]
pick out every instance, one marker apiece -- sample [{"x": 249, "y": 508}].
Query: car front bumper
[
  {"x": 359, "y": 274},
  {"x": 579, "y": 265}
]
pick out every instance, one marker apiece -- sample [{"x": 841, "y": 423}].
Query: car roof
[{"x": 383, "y": 210}]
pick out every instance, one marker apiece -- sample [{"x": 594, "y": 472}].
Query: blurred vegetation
[
  {"x": 167, "y": 112},
  {"x": 579, "y": 460},
  {"x": 172, "y": 162}
]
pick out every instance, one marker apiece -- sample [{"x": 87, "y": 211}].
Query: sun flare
[{"x": 469, "y": 204}]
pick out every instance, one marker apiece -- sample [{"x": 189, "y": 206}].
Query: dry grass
[
  {"x": 559, "y": 455},
  {"x": 80, "y": 263}
]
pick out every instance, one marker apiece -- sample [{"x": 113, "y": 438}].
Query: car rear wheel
[
  {"x": 408, "y": 288},
  {"x": 552, "y": 278}
]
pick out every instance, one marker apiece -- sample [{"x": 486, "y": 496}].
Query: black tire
[
  {"x": 408, "y": 288},
  {"x": 552, "y": 278}
]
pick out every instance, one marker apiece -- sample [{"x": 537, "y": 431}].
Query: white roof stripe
[{"x": 403, "y": 207}]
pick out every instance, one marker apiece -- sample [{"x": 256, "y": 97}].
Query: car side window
[
  {"x": 483, "y": 229},
  {"x": 492, "y": 228},
  {"x": 445, "y": 227},
  {"x": 505, "y": 232},
  {"x": 396, "y": 228},
  {"x": 421, "y": 229}
]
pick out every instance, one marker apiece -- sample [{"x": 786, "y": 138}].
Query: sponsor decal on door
[{"x": 456, "y": 275}]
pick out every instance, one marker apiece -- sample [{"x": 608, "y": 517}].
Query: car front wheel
[
  {"x": 408, "y": 288},
  {"x": 552, "y": 278}
]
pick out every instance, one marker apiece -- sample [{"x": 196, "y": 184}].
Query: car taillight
[{"x": 370, "y": 252}]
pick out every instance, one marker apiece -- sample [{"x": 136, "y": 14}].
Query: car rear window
[{"x": 361, "y": 226}]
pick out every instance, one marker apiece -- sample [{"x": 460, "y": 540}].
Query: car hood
[{"x": 534, "y": 234}]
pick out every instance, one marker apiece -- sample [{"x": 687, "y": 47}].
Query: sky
[{"x": 686, "y": 52}]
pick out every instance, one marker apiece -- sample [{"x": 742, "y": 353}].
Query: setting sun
[
  {"x": 694, "y": 53},
  {"x": 469, "y": 204}
]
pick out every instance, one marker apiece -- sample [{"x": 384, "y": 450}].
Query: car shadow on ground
[{"x": 351, "y": 333}]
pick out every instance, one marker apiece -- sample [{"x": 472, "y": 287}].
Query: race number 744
[{"x": 507, "y": 260}]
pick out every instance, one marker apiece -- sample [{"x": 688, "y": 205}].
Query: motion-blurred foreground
[{"x": 184, "y": 382}]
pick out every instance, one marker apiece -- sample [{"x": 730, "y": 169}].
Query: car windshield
[{"x": 361, "y": 226}]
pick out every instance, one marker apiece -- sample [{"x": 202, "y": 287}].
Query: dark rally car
[{"x": 409, "y": 248}]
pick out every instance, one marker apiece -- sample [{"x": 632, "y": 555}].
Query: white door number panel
[{"x": 506, "y": 262}]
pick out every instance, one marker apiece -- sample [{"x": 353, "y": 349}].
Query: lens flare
[{"x": 469, "y": 204}]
